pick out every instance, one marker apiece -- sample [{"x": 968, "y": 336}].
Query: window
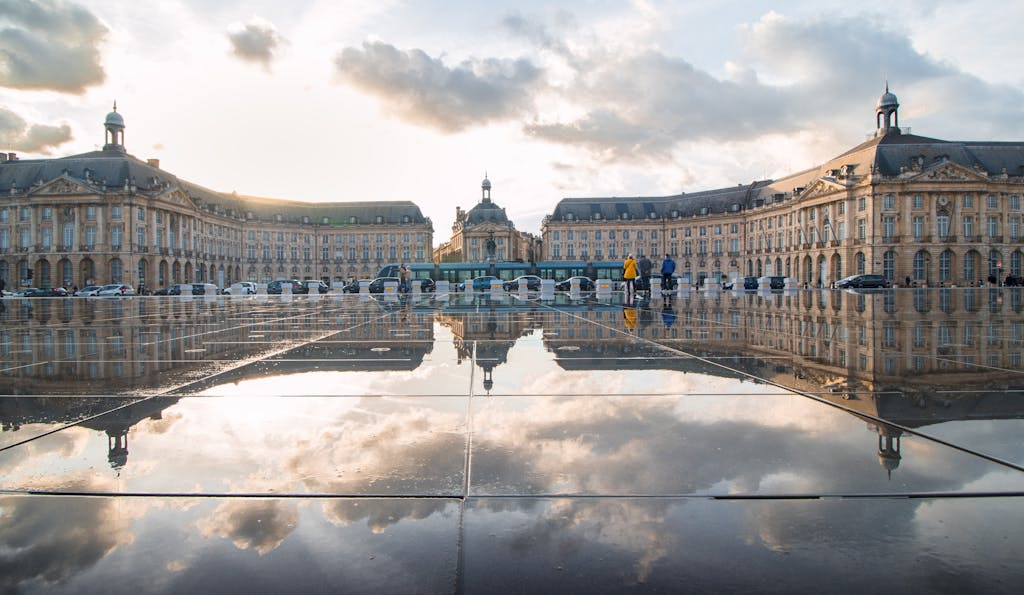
[
  {"x": 24, "y": 214},
  {"x": 5, "y": 241},
  {"x": 1014, "y": 228},
  {"x": 555, "y": 235},
  {"x": 992, "y": 226},
  {"x": 68, "y": 234},
  {"x": 970, "y": 266},
  {"x": 841, "y": 209},
  {"x": 115, "y": 212},
  {"x": 90, "y": 213},
  {"x": 1015, "y": 202},
  {"x": 5, "y": 216},
  {"x": 861, "y": 229},
  {"x": 888, "y": 227},
  {"x": 968, "y": 201},
  {"x": 992, "y": 201},
  {"x": 889, "y": 265},
  {"x": 862, "y": 203},
  {"x": 918, "y": 202},
  {"x": 90, "y": 236},
  {"x": 140, "y": 237},
  {"x": 918, "y": 228},
  {"x": 942, "y": 226},
  {"x": 945, "y": 265},
  {"x": 888, "y": 202},
  {"x": 968, "y": 224}
]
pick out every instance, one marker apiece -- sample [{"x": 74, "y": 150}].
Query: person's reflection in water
[
  {"x": 629, "y": 315},
  {"x": 668, "y": 315}
]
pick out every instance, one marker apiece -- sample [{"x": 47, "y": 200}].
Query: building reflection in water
[{"x": 913, "y": 358}]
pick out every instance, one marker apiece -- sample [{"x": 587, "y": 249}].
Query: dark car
[
  {"x": 532, "y": 283},
  {"x": 478, "y": 284},
  {"x": 865, "y": 281},
  {"x": 351, "y": 287},
  {"x": 46, "y": 292},
  {"x": 377, "y": 285},
  {"x": 298, "y": 287},
  {"x": 586, "y": 284}
]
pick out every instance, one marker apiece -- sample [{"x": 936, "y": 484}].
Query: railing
[{"x": 890, "y": 239}]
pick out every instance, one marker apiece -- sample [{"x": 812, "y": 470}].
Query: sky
[{"x": 329, "y": 100}]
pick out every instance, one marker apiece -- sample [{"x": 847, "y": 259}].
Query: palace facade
[
  {"x": 486, "y": 234},
  {"x": 108, "y": 217},
  {"x": 917, "y": 209}
]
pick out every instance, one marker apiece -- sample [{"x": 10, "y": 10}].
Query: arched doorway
[
  {"x": 836, "y": 268},
  {"x": 143, "y": 272},
  {"x": 971, "y": 258},
  {"x": 66, "y": 272},
  {"x": 176, "y": 272},
  {"x": 87, "y": 272},
  {"x": 808, "y": 269},
  {"x": 188, "y": 272},
  {"x": 822, "y": 279},
  {"x": 116, "y": 271},
  {"x": 162, "y": 273},
  {"x": 42, "y": 273}
]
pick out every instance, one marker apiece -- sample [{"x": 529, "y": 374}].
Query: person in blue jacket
[{"x": 668, "y": 266}]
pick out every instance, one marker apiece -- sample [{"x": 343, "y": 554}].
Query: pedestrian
[
  {"x": 908, "y": 281},
  {"x": 629, "y": 276},
  {"x": 629, "y": 316},
  {"x": 403, "y": 277},
  {"x": 668, "y": 266},
  {"x": 645, "y": 273}
]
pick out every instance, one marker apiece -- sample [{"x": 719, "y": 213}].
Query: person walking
[
  {"x": 645, "y": 273},
  {"x": 629, "y": 276},
  {"x": 403, "y": 277},
  {"x": 668, "y": 266}
]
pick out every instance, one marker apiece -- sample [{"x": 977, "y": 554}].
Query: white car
[
  {"x": 241, "y": 288},
  {"x": 88, "y": 290},
  {"x": 115, "y": 289}
]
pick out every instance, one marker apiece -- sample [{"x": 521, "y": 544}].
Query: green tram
[{"x": 559, "y": 270}]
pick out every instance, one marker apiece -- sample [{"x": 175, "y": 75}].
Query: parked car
[
  {"x": 868, "y": 280},
  {"x": 298, "y": 287},
  {"x": 532, "y": 283},
  {"x": 115, "y": 289},
  {"x": 482, "y": 283},
  {"x": 351, "y": 287},
  {"x": 377, "y": 285},
  {"x": 204, "y": 289},
  {"x": 46, "y": 292},
  {"x": 586, "y": 284},
  {"x": 241, "y": 288},
  {"x": 87, "y": 291}
]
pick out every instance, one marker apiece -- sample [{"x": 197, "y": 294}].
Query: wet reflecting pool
[{"x": 457, "y": 443}]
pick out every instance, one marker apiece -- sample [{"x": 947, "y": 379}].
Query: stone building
[
  {"x": 108, "y": 217},
  {"x": 485, "y": 234},
  {"x": 934, "y": 212}
]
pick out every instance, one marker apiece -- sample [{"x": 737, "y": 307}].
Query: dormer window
[
  {"x": 597, "y": 216},
  {"x": 653, "y": 215},
  {"x": 675, "y": 213},
  {"x": 625, "y": 215},
  {"x": 305, "y": 219},
  {"x": 406, "y": 219},
  {"x": 353, "y": 219},
  {"x": 568, "y": 216},
  {"x": 278, "y": 217},
  {"x": 380, "y": 219},
  {"x": 325, "y": 221}
]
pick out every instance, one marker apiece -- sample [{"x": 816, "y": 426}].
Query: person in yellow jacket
[
  {"x": 629, "y": 315},
  {"x": 629, "y": 275}
]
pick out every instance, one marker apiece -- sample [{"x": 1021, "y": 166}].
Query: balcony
[
  {"x": 972, "y": 239},
  {"x": 144, "y": 249},
  {"x": 947, "y": 239},
  {"x": 165, "y": 251},
  {"x": 995, "y": 239},
  {"x": 85, "y": 248},
  {"x": 806, "y": 245},
  {"x": 834, "y": 243}
]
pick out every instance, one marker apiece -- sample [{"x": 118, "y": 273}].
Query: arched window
[
  {"x": 1015, "y": 263},
  {"x": 994, "y": 260},
  {"x": 970, "y": 266},
  {"x": 889, "y": 265},
  {"x": 921, "y": 266},
  {"x": 945, "y": 265},
  {"x": 115, "y": 270},
  {"x": 861, "y": 264}
]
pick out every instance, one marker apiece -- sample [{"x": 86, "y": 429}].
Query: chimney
[
  {"x": 12, "y": 156},
  {"x": 153, "y": 163},
  {"x": 3, "y": 157}
]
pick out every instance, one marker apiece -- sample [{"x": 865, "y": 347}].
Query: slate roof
[
  {"x": 110, "y": 170},
  {"x": 884, "y": 155}
]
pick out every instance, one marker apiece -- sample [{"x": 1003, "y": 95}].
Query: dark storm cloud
[
  {"x": 425, "y": 91},
  {"x": 256, "y": 41},
  {"x": 37, "y": 138},
  {"x": 49, "y": 44}
]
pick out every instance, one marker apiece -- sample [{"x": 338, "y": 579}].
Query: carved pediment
[
  {"x": 950, "y": 172},
  {"x": 821, "y": 187},
  {"x": 64, "y": 185},
  {"x": 177, "y": 197}
]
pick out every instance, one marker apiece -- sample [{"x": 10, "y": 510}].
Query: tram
[{"x": 457, "y": 272}]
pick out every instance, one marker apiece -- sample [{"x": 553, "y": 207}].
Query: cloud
[
  {"x": 255, "y": 41},
  {"x": 259, "y": 524},
  {"x": 49, "y": 45},
  {"x": 423, "y": 90},
  {"x": 37, "y": 138}
]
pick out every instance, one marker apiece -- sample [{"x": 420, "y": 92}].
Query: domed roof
[
  {"x": 486, "y": 211},
  {"x": 114, "y": 118},
  {"x": 486, "y": 184},
  {"x": 887, "y": 99}
]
